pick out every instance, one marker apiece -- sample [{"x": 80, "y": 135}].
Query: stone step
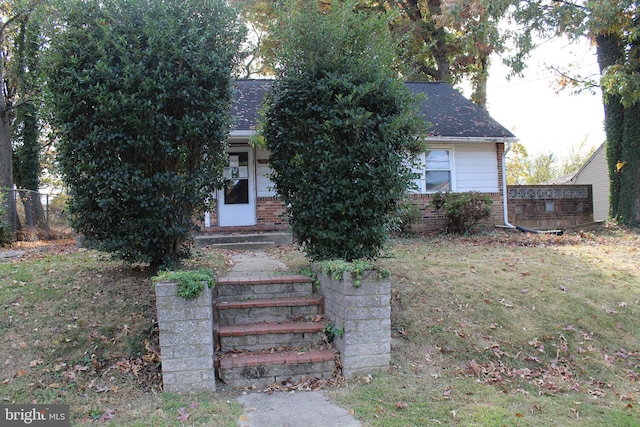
[
  {"x": 268, "y": 310},
  {"x": 243, "y": 246},
  {"x": 262, "y": 287},
  {"x": 260, "y": 370},
  {"x": 259, "y": 336},
  {"x": 241, "y": 241}
]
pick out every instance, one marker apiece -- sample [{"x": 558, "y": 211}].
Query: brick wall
[
  {"x": 547, "y": 207},
  {"x": 271, "y": 213}
]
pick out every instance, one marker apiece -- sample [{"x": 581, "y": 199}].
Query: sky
[{"x": 543, "y": 120}]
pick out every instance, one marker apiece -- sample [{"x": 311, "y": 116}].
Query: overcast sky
[{"x": 543, "y": 120}]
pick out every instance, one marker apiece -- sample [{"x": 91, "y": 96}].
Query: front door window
[{"x": 237, "y": 179}]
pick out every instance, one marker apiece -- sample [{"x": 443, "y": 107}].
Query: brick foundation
[{"x": 271, "y": 216}]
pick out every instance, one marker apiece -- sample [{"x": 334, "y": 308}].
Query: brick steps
[
  {"x": 263, "y": 287},
  {"x": 245, "y": 370},
  {"x": 255, "y": 315},
  {"x": 270, "y": 328},
  {"x": 280, "y": 302},
  {"x": 268, "y": 310}
]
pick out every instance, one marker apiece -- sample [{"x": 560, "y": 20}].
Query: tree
[
  {"x": 453, "y": 40},
  {"x": 525, "y": 170},
  {"x": 613, "y": 26},
  {"x": 576, "y": 158},
  {"x": 13, "y": 13},
  {"x": 517, "y": 164},
  {"x": 140, "y": 96},
  {"x": 339, "y": 128},
  {"x": 27, "y": 146},
  {"x": 442, "y": 40}
]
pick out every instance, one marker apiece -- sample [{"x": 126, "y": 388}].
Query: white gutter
[
  {"x": 504, "y": 185},
  {"x": 468, "y": 139},
  {"x": 241, "y": 133},
  {"x": 240, "y": 136}
]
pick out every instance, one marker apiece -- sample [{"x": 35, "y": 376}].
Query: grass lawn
[{"x": 497, "y": 330}]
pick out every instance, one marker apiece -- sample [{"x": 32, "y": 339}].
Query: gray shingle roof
[{"x": 450, "y": 113}]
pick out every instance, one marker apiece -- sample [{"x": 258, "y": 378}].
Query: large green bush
[
  {"x": 140, "y": 95},
  {"x": 462, "y": 211},
  {"x": 339, "y": 128}
]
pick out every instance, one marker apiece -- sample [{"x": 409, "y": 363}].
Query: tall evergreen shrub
[
  {"x": 340, "y": 129},
  {"x": 140, "y": 95}
]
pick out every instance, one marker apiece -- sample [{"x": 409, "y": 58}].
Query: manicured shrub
[
  {"x": 339, "y": 128},
  {"x": 141, "y": 93},
  {"x": 462, "y": 211}
]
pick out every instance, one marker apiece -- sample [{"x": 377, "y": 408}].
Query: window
[
  {"x": 438, "y": 171},
  {"x": 549, "y": 206}
]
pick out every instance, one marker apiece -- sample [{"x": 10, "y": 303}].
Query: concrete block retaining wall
[
  {"x": 365, "y": 313},
  {"x": 186, "y": 340}
]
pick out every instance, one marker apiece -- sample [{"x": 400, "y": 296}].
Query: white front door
[{"x": 237, "y": 200}]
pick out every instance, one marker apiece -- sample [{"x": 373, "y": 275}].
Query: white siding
[
  {"x": 596, "y": 173},
  {"x": 264, "y": 186},
  {"x": 476, "y": 167}
]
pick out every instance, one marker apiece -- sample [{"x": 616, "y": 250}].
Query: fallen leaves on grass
[
  {"x": 402, "y": 405},
  {"x": 183, "y": 415},
  {"x": 108, "y": 415}
]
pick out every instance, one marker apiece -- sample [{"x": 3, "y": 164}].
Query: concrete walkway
[
  {"x": 283, "y": 409},
  {"x": 293, "y": 409},
  {"x": 254, "y": 263}
]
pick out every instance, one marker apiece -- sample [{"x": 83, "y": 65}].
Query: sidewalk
[
  {"x": 283, "y": 409},
  {"x": 293, "y": 409}
]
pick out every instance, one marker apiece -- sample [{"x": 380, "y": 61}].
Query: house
[
  {"x": 466, "y": 150},
  {"x": 595, "y": 172}
]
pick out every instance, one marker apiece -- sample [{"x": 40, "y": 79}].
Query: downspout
[{"x": 504, "y": 186}]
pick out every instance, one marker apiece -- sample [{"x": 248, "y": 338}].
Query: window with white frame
[{"x": 438, "y": 170}]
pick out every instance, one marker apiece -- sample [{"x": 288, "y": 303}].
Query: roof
[{"x": 449, "y": 112}]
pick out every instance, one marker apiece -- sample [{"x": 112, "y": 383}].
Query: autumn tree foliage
[
  {"x": 452, "y": 40},
  {"x": 441, "y": 40},
  {"x": 140, "y": 97}
]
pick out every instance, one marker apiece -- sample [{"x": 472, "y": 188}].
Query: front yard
[{"x": 503, "y": 329}]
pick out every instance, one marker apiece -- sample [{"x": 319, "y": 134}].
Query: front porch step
[
  {"x": 258, "y": 336},
  {"x": 268, "y": 310},
  {"x": 243, "y": 246},
  {"x": 263, "y": 287},
  {"x": 245, "y": 241},
  {"x": 262, "y": 369}
]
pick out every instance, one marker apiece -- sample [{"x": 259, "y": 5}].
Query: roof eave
[
  {"x": 239, "y": 135},
  {"x": 470, "y": 139}
]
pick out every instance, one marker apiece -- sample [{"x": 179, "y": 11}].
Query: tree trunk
[
  {"x": 27, "y": 169},
  {"x": 628, "y": 205},
  {"x": 479, "y": 83},
  {"x": 6, "y": 152},
  {"x": 611, "y": 51}
]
